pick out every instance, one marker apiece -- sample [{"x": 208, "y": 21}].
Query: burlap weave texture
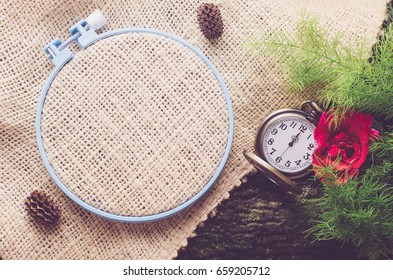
[
  {"x": 136, "y": 125},
  {"x": 254, "y": 84}
]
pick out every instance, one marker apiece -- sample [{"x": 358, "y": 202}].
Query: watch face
[{"x": 288, "y": 143}]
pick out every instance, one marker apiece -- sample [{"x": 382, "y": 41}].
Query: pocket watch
[{"x": 284, "y": 145}]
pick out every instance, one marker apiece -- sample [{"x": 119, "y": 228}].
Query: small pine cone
[
  {"x": 42, "y": 208},
  {"x": 210, "y": 20}
]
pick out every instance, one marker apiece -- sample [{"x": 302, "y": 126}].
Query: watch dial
[{"x": 288, "y": 144}]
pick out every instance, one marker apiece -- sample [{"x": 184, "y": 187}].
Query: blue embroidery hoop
[{"x": 83, "y": 34}]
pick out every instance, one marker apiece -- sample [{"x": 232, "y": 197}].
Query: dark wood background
[{"x": 260, "y": 221}]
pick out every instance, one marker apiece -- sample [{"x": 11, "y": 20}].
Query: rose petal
[
  {"x": 364, "y": 121},
  {"x": 340, "y": 138},
  {"x": 333, "y": 151},
  {"x": 322, "y": 133},
  {"x": 345, "y": 147},
  {"x": 374, "y": 134}
]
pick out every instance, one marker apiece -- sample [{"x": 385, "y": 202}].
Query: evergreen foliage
[
  {"x": 361, "y": 210},
  {"x": 384, "y": 147},
  {"x": 313, "y": 56}
]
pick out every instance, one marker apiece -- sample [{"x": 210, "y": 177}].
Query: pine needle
[{"x": 313, "y": 56}]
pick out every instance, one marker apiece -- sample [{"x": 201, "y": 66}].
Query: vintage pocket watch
[{"x": 284, "y": 145}]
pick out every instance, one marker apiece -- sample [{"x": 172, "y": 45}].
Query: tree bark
[{"x": 260, "y": 221}]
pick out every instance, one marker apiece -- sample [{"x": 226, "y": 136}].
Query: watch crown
[{"x": 313, "y": 110}]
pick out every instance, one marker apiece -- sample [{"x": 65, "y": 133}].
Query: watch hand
[
  {"x": 285, "y": 150},
  {"x": 294, "y": 139}
]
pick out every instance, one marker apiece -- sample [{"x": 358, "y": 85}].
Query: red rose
[{"x": 344, "y": 147}]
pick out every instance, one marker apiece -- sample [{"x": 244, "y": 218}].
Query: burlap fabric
[
  {"x": 254, "y": 84},
  {"x": 135, "y": 125}
]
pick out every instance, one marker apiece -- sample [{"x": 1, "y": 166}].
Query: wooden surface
[{"x": 260, "y": 221}]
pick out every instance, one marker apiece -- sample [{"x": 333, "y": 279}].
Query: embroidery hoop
[{"x": 83, "y": 33}]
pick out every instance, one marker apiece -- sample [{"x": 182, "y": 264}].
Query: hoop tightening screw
[
  {"x": 83, "y": 33},
  {"x": 69, "y": 41}
]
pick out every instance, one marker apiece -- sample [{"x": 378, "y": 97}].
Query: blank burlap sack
[{"x": 254, "y": 83}]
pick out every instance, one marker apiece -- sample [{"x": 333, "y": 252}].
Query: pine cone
[
  {"x": 42, "y": 208},
  {"x": 210, "y": 21}
]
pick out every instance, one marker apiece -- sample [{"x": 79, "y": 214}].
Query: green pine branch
[
  {"x": 383, "y": 148},
  {"x": 358, "y": 212},
  {"x": 313, "y": 56}
]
